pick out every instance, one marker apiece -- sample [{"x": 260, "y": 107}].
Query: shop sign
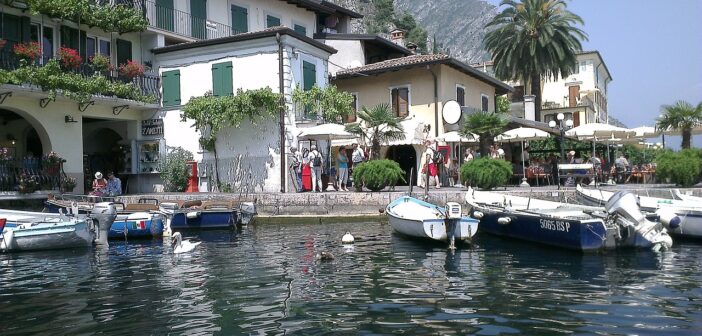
[{"x": 152, "y": 127}]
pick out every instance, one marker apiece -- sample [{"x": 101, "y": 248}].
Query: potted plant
[
  {"x": 69, "y": 58},
  {"x": 68, "y": 184},
  {"x": 100, "y": 63},
  {"x": 377, "y": 174},
  {"x": 27, "y": 184},
  {"x": 28, "y": 51},
  {"x": 52, "y": 163},
  {"x": 131, "y": 69}
]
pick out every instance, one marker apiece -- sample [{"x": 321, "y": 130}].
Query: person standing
[
  {"x": 316, "y": 161},
  {"x": 114, "y": 185},
  {"x": 342, "y": 164},
  {"x": 434, "y": 161},
  {"x": 468, "y": 155},
  {"x": 357, "y": 156},
  {"x": 296, "y": 166}
]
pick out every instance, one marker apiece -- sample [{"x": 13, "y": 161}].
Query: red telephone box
[{"x": 192, "y": 180}]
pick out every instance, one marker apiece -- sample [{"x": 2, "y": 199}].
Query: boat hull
[
  {"x": 138, "y": 225},
  {"x": 564, "y": 233},
  {"x": 48, "y": 236},
  {"x": 202, "y": 219},
  {"x": 416, "y": 218}
]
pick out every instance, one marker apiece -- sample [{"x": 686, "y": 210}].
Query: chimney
[
  {"x": 412, "y": 47},
  {"x": 398, "y": 36}
]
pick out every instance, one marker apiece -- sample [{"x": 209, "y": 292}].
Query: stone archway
[
  {"x": 25, "y": 131},
  {"x": 406, "y": 157}
]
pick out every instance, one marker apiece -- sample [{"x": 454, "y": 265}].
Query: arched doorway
[
  {"x": 23, "y": 141},
  {"x": 406, "y": 156},
  {"x": 33, "y": 142},
  {"x": 102, "y": 150}
]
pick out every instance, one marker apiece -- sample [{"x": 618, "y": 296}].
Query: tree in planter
[
  {"x": 378, "y": 174},
  {"x": 682, "y": 168},
  {"x": 681, "y": 116},
  {"x": 214, "y": 113},
  {"x": 377, "y": 126},
  {"x": 174, "y": 170},
  {"x": 486, "y": 173},
  {"x": 333, "y": 105},
  {"x": 487, "y": 125}
]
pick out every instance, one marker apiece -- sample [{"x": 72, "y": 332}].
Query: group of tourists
[
  {"x": 112, "y": 186},
  {"x": 313, "y": 161}
]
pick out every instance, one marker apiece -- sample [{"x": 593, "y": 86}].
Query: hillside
[{"x": 456, "y": 24}]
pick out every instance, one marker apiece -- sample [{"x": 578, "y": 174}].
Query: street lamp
[{"x": 562, "y": 127}]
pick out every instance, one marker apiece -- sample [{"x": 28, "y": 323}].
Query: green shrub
[
  {"x": 175, "y": 171},
  {"x": 486, "y": 173},
  {"x": 377, "y": 174},
  {"x": 683, "y": 168}
]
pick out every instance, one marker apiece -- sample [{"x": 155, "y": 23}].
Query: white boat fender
[
  {"x": 347, "y": 238},
  {"x": 478, "y": 215},
  {"x": 504, "y": 220},
  {"x": 668, "y": 218},
  {"x": 192, "y": 214}
]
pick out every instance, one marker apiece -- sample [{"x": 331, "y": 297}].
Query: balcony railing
[
  {"x": 148, "y": 83},
  {"x": 182, "y": 23}
]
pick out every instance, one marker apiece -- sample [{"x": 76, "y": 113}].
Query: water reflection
[{"x": 265, "y": 279}]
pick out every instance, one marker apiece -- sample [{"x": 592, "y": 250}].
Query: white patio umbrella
[
  {"x": 454, "y": 136},
  {"x": 599, "y": 132},
  {"x": 645, "y": 132},
  {"x": 327, "y": 132},
  {"x": 522, "y": 134}
]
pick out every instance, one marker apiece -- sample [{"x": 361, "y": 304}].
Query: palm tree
[
  {"x": 534, "y": 39},
  {"x": 485, "y": 124},
  {"x": 681, "y": 116},
  {"x": 378, "y": 126}
]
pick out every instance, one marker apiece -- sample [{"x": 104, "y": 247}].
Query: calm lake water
[{"x": 265, "y": 280}]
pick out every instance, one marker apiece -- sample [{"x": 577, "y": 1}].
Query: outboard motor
[
  {"x": 104, "y": 214},
  {"x": 247, "y": 210},
  {"x": 641, "y": 231},
  {"x": 453, "y": 217}
]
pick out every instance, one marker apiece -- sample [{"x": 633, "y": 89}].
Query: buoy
[
  {"x": 347, "y": 238},
  {"x": 504, "y": 220}
]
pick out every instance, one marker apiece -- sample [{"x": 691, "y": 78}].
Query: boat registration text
[{"x": 554, "y": 225}]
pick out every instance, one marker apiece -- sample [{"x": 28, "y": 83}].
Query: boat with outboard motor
[
  {"x": 619, "y": 224},
  {"x": 199, "y": 214},
  {"x": 681, "y": 217},
  {"x": 28, "y": 231},
  {"x": 416, "y": 218}
]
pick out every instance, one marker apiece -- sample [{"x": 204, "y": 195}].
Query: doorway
[{"x": 406, "y": 157}]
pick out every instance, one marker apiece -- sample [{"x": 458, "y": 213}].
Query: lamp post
[{"x": 562, "y": 127}]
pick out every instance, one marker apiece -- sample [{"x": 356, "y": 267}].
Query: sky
[{"x": 653, "y": 49}]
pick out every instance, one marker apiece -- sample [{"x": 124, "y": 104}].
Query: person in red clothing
[{"x": 99, "y": 185}]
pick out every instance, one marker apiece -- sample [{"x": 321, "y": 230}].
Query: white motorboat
[
  {"x": 416, "y": 218},
  {"x": 49, "y": 234},
  {"x": 688, "y": 211}
]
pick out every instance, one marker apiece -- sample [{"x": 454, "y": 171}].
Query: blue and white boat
[
  {"x": 137, "y": 225},
  {"x": 412, "y": 217},
  {"x": 23, "y": 232},
  {"x": 688, "y": 210},
  {"x": 199, "y": 215},
  {"x": 619, "y": 224}
]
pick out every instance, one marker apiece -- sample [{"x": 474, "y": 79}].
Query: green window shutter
[
  {"x": 25, "y": 26},
  {"x": 70, "y": 37},
  {"x": 300, "y": 29},
  {"x": 83, "y": 44},
  {"x": 222, "y": 79},
  {"x": 309, "y": 75},
  {"x": 272, "y": 21},
  {"x": 124, "y": 51},
  {"x": 170, "y": 81},
  {"x": 11, "y": 30},
  {"x": 240, "y": 19}
]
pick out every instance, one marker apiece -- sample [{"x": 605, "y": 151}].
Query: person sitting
[
  {"x": 114, "y": 185},
  {"x": 453, "y": 172},
  {"x": 99, "y": 185}
]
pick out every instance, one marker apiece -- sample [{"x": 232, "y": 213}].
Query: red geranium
[
  {"x": 29, "y": 50},
  {"x": 131, "y": 69},
  {"x": 70, "y": 59}
]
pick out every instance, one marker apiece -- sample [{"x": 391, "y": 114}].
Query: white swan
[
  {"x": 180, "y": 246},
  {"x": 347, "y": 238}
]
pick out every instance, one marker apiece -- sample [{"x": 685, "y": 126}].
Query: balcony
[
  {"x": 182, "y": 23},
  {"x": 148, "y": 83}
]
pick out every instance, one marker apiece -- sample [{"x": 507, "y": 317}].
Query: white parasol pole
[{"x": 524, "y": 178}]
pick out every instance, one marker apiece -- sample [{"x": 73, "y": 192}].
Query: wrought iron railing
[
  {"x": 148, "y": 83},
  {"x": 29, "y": 176},
  {"x": 182, "y": 23}
]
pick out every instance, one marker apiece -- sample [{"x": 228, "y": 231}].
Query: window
[
  {"x": 240, "y": 19},
  {"x": 45, "y": 37},
  {"x": 354, "y": 109},
  {"x": 222, "y": 81},
  {"x": 104, "y": 47},
  {"x": 309, "y": 75},
  {"x": 485, "y": 100},
  {"x": 583, "y": 66},
  {"x": 400, "y": 101},
  {"x": 300, "y": 29},
  {"x": 170, "y": 81},
  {"x": 461, "y": 95},
  {"x": 90, "y": 47},
  {"x": 124, "y": 51},
  {"x": 272, "y": 21},
  {"x": 577, "y": 68}
]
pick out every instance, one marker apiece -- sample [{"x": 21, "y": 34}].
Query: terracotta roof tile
[{"x": 395, "y": 63}]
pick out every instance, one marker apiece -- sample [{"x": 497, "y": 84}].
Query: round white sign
[{"x": 451, "y": 112}]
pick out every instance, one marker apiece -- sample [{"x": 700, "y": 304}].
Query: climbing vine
[
  {"x": 120, "y": 18},
  {"x": 329, "y": 103}
]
